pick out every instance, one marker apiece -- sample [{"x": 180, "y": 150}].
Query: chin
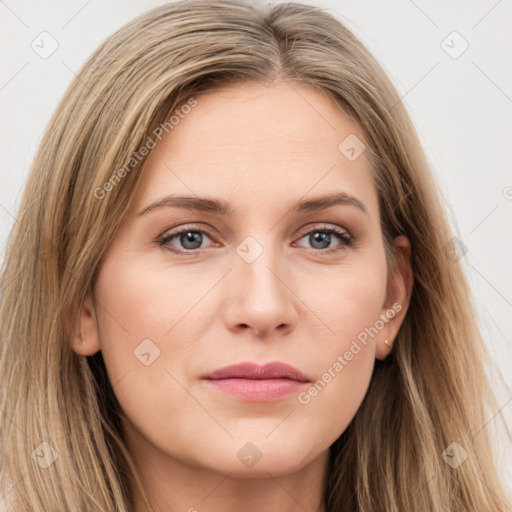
[{"x": 259, "y": 458}]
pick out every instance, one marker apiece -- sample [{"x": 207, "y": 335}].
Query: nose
[{"x": 261, "y": 297}]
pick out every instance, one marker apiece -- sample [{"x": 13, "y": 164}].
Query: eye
[
  {"x": 189, "y": 238},
  {"x": 321, "y": 238}
]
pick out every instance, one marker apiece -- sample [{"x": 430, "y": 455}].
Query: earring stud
[{"x": 387, "y": 342}]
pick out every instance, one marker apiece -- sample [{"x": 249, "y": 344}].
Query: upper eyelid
[
  {"x": 325, "y": 226},
  {"x": 345, "y": 238}
]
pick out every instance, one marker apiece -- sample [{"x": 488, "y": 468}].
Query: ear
[
  {"x": 398, "y": 296},
  {"x": 85, "y": 337}
]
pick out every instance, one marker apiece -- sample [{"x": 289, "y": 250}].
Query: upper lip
[{"x": 274, "y": 370}]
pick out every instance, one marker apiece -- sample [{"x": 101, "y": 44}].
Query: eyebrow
[{"x": 220, "y": 207}]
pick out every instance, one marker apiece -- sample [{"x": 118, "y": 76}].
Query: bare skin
[{"x": 303, "y": 300}]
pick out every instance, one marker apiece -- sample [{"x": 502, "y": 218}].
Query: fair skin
[{"x": 259, "y": 149}]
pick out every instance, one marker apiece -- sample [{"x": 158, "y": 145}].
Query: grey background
[{"x": 461, "y": 108}]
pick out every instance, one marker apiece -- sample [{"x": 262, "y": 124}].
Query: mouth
[{"x": 253, "y": 383}]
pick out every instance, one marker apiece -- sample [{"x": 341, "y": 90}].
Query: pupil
[
  {"x": 322, "y": 238},
  {"x": 191, "y": 240}
]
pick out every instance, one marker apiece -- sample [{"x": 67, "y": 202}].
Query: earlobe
[
  {"x": 398, "y": 295},
  {"x": 85, "y": 336}
]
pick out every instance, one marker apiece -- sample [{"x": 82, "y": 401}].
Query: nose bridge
[
  {"x": 263, "y": 300},
  {"x": 257, "y": 266}
]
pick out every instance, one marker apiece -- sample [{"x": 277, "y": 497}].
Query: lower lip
[{"x": 257, "y": 390}]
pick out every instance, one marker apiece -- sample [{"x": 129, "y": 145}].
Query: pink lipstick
[{"x": 253, "y": 383}]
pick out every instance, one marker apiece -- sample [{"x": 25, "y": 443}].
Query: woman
[{"x": 230, "y": 285}]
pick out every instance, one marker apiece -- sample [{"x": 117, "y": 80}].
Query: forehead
[
  {"x": 251, "y": 114},
  {"x": 249, "y": 139}
]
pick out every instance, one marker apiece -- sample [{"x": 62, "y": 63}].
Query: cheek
[
  {"x": 135, "y": 310},
  {"x": 349, "y": 301},
  {"x": 140, "y": 302},
  {"x": 148, "y": 335},
  {"x": 352, "y": 309}
]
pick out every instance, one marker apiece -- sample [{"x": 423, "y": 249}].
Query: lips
[
  {"x": 254, "y": 383},
  {"x": 253, "y": 371}
]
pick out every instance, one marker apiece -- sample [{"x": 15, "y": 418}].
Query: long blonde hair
[{"x": 430, "y": 393}]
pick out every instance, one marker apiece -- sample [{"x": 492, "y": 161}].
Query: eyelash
[{"x": 343, "y": 236}]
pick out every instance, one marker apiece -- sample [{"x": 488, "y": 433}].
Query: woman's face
[{"x": 269, "y": 273}]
